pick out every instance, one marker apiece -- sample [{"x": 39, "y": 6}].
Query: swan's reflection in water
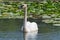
[{"x": 30, "y": 36}]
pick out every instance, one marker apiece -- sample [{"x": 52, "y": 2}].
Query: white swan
[{"x": 28, "y": 26}]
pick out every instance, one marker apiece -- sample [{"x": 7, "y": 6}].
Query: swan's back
[
  {"x": 34, "y": 26},
  {"x": 31, "y": 26}
]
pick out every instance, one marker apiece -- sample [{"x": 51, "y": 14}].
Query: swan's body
[{"x": 28, "y": 26}]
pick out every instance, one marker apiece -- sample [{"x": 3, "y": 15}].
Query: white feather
[{"x": 30, "y": 27}]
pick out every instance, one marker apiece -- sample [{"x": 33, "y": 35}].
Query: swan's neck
[{"x": 25, "y": 16}]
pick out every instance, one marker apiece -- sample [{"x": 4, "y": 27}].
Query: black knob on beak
[{"x": 21, "y": 6}]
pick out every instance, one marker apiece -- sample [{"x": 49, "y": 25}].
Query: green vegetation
[{"x": 11, "y": 9}]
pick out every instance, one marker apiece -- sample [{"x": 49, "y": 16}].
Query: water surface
[{"x": 10, "y": 30}]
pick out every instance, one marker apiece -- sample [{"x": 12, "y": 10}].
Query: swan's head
[{"x": 23, "y": 6}]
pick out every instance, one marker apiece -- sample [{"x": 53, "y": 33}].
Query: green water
[
  {"x": 16, "y": 24},
  {"x": 10, "y": 30},
  {"x": 10, "y": 24}
]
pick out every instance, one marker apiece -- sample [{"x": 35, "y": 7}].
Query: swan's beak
[{"x": 21, "y": 6}]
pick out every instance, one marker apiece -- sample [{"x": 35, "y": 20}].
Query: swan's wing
[
  {"x": 31, "y": 27},
  {"x": 28, "y": 26},
  {"x": 34, "y": 26}
]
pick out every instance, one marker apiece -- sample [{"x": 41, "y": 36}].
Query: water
[
  {"x": 49, "y": 36},
  {"x": 10, "y": 30},
  {"x": 29, "y": 36},
  {"x": 11, "y": 36}
]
